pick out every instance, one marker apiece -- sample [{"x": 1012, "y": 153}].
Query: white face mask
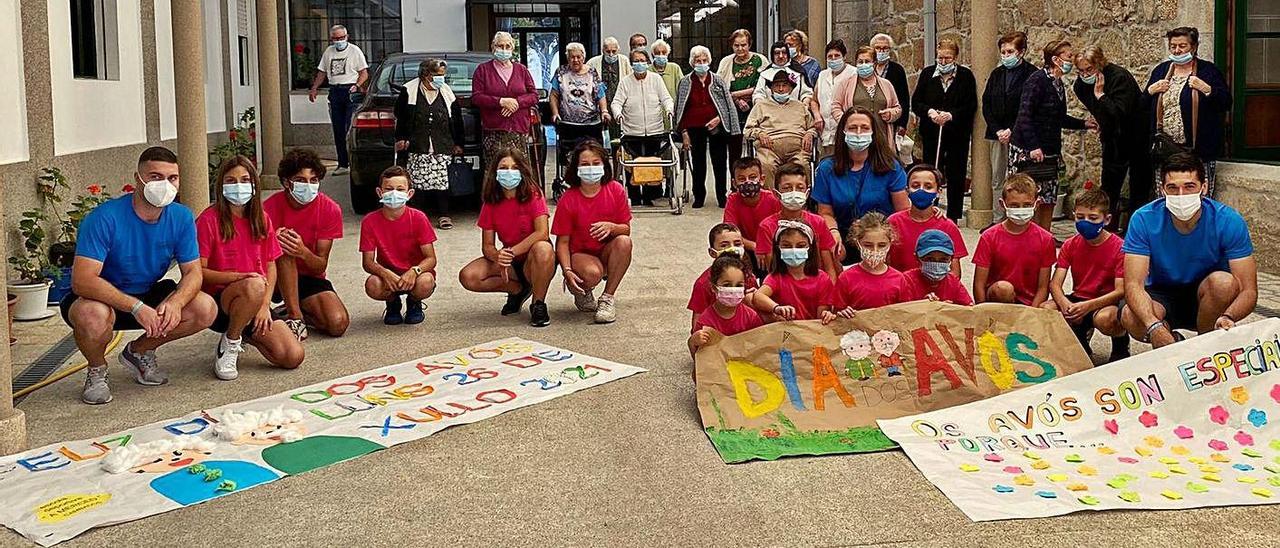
[
  {"x": 1183, "y": 206},
  {"x": 873, "y": 258},
  {"x": 794, "y": 200},
  {"x": 1020, "y": 215},
  {"x": 237, "y": 193},
  {"x": 305, "y": 193},
  {"x": 158, "y": 193}
]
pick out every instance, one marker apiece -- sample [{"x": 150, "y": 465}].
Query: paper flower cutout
[
  {"x": 1111, "y": 426},
  {"x": 1219, "y": 414},
  {"x": 1218, "y": 445},
  {"x": 1183, "y": 432},
  {"x": 1239, "y": 395},
  {"x": 1258, "y": 417},
  {"x": 1148, "y": 419},
  {"x": 1243, "y": 438}
]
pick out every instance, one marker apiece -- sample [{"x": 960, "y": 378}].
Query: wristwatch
[{"x": 416, "y": 269}]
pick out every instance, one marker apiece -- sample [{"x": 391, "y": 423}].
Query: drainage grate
[{"x": 45, "y": 366}]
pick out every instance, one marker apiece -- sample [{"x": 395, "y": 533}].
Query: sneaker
[
  {"x": 1119, "y": 348},
  {"x": 586, "y": 302},
  {"x": 341, "y": 170},
  {"x": 298, "y": 327},
  {"x": 144, "y": 366},
  {"x": 228, "y": 354},
  {"x": 538, "y": 316},
  {"x": 392, "y": 316},
  {"x": 415, "y": 313},
  {"x": 605, "y": 312},
  {"x": 279, "y": 312},
  {"x": 96, "y": 390},
  {"x": 515, "y": 301}
]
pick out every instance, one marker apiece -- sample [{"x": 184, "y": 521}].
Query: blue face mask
[
  {"x": 394, "y": 199},
  {"x": 437, "y": 82},
  {"x": 702, "y": 68},
  {"x": 935, "y": 271},
  {"x": 858, "y": 141},
  {"x": 882, "y": 56},
  {"x": 1089, "y": 230},
  {"x": 660, "y": 60},
  {"x": 305, "y": 193},
  {"x": 865, "y": 70},
  {"x": 794, "y": 256},
  {"x": 921, "y": 198},
  {"x": 509, "y": 178},
  {"x": 640, "y": 67},
  {"x": 238, "y": 193},
  {"x": 1066, "y": 67},
  {"x": 340, "y": 45},
  {"x": 590, "y": 174},
  {"x": 1091, "y": 80},
  {"x": 947, "y": 68},
  {"x": 611, "y": 58},
  {"x": 836, "y": 65},
  {"x": 1182, "y": 58},
  {"x": 781, "y": 98},
  {"x": 502, "y": 55},
  {"x": 791, "y": 52},
  {"x": 1010, "y": 61}
]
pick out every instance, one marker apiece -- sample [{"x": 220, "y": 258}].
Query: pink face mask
[{"x": 730, "y": 296}]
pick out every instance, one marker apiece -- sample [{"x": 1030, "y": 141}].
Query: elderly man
[
  {"x": 1188, "y": 260},
  {"x": 611, "y": 68},
  {"x": 890, "y": 70},
  {"x": 638, "y": 41},
  {"x": 124, "y": 249},
  {"x": 344, "y": 66}
]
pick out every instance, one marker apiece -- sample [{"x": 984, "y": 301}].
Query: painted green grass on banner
[{"x": 783, "y": 439}]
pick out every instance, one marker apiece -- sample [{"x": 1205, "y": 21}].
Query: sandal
[{"x": 445, "y": 223}]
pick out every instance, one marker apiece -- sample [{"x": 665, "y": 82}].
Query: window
[
  {"x": 95, "y": 51},
  {"x": 243, "y": 47},
  {"x": 1252, "y": 55},
  {"x": 711, "y": 23},
  {"x": 372, "y": 25}
]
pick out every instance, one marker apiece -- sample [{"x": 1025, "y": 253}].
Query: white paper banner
[
  {"x": 56, "y": 492},
  {"x": 1185, "y": 426}
]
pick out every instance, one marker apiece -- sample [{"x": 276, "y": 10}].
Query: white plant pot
[{"x": 32, "y": 301}]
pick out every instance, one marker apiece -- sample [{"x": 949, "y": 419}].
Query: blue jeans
[{"x": 340, "y": 111}]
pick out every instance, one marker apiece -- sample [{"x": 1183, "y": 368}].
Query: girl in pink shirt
[
  {"x": 796, "y": 289},
  {"x": 593, "y": 231},
  {"x": 514, "y": 214},
  {"x": 870, "y": 283},
  {"x": 729, "y": 314},
  {"x": 238, "y": 250}
]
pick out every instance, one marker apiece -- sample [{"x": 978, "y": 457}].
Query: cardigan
[
  {"x": 719, "y": 91},
  {"x": 642, "y": 106},
  {"x": 898, "y": 77},
  {"x": 1003, "y": 97},
  {"x": 1120, "y": 115},
  {"x": 1042, "y": 116},
  {"x": 406, "y": 129},
  {"x": 1213, "y": 107},
  {"x": 725, "y": 69},
  {"x": 960, "y": 99},
  {"x": 842, "y": 99},
  {"x": 487, "y": 89}
]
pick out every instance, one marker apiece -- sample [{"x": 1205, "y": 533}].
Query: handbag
[
  {"x": 462, "y": 179},
  {"x": 1162, "y": 145}
]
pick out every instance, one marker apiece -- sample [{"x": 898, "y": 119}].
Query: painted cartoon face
[
  {"x": 173, "y": 460},
  {"x": 269, "y": 434},
  {"x": 856, "y": 345},
  {"x": 885, "y": 342}
]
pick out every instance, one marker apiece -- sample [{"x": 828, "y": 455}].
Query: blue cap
[{"x": 934, "y": 240}]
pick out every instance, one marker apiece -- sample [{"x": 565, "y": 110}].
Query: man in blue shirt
[
  {"x": 124, "y": 248},
  {"x": 1188, "y": 260}
]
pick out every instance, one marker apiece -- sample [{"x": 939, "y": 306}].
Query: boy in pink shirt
[
  {"x": 724, "y": 239},
  {"x": 238, "y": 253},
  {"x": 1014, "y": 257},
  {"x": 1095, "y": 262},
  {"x": 307, "y": 222},
  {"x": 748, "y": 205},
  {"x": 923, "y": 182},
  {"x": 397, "y": 247},
  {"x": 793, "y": 185},
  {"x": 934, "y": 279}
]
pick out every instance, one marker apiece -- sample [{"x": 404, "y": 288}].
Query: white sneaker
[
  {"x": 586, "y": 301},
  {"x": 228, "y": 355},
  {"x": 605, "y": 311}
]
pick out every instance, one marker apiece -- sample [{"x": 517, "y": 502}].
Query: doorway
[{"x": 541, "y": 30}]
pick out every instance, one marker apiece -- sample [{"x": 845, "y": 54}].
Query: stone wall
[{"x": 1251, "y": 190}]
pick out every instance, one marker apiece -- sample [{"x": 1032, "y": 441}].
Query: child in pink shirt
[
  {"x": 796, "y": 289},
  {"x": 593, "y": 231},
  {"x": 793, "y": 184},
  {"x": 935, "y": 279},
  {"x": 724, "y": 239},
  {"x": 923, "y": 182},
  {"x": 749, "y": 204},
  {"x": 1095, "y": 261},
  {"x": 1014, "y": 257},
  {"x": 729, "y": 313},
  {"x": 238, "y": 253},
  {"x": 514, "y": 214},
  {"x": 307, "y": 222},
  {"x": 397, "y": 248},
  {"x": 870, "y": 283}
]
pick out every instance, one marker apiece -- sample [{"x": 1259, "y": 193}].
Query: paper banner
[
  {"x": 56, "y": 492},
  {"x": 1188, "y": 425},
  {"x": 802, "y": 388}
]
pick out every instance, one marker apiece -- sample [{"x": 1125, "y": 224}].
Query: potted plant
[
  {"x": 31, "y": 266},
  {"x": 13, "y": 302},
  {"x": 62, "y": 252}
]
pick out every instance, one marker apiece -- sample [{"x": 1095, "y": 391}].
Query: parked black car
[{"x": 371, "y": 141}]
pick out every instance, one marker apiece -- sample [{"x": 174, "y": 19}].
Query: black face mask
[{"x": 749, "y": 189}]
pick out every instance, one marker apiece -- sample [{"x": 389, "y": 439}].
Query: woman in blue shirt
[{"x": 861, "y": 177}]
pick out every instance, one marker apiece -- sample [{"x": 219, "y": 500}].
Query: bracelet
[
  {"x": 775, "y": 309},
  {"x": 1152, "y": 328},
  {"x": 133, "y": 311},
  {"x": 1227, "y": 316}
]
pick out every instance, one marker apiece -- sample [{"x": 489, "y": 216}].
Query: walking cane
[{"x": 937, "y": 154}]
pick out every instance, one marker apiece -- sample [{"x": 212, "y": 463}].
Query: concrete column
[
  {"x": 982, "y": 41},
  {"x": 188, "y": 80},
  {"x": 13, "y": 424},
  {"x": 818, "y": 29},
  {"x": 270, "y": 126}
]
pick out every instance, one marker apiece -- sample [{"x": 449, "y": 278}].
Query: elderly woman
[
  {"x": 671, "y": 73},
  {"x": 1188, "y": 99},
  {"x": 890, "y": 70},
  {"x": 824, "y": 92},
  {"x": 578, "y": 101},
  {"x": 705, "y": 114},
  {"x": 612, "y": 68},
  {"x": 503, "y": 91},
  {"x": 1036, "y": 144},
  {"x": 1113, "y": 98},
  {"x": 1000, "y": 103},
  {"x": 642, "y": 107},
  {"x": 798, "y": 48},
  {"x": 429, "y": 129},
  {"x": 946, "y": 100},
  {"x": 781, "y": 126},
  {"x": 868, "y": 90},
  {"x": 741, "y": 70},
  {"x": 863, "y": 176},
  {"x": 781, "y": 63}
]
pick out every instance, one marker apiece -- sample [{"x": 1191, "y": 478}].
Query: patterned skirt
[
  {"x": 429, "y": 171},
  {"x": 495, "y": 140}
]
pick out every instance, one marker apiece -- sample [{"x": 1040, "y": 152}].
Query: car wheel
[{"x": 363, "y": 199}]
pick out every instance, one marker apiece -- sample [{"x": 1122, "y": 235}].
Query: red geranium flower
[
  {"x": 94, "y": 189},
  {"x": 232, "y": 135},
  {"x": 299, "y": 48},
  {"x": 127, "y": 188},
  {"x": 770, "y": 433},
  {"x": 253, "y": 135}
]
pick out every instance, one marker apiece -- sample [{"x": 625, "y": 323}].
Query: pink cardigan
[
  {"x": 487, "y": 88},
  {"x": 843, "y": 96}
]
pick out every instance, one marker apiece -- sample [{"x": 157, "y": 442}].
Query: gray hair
[
  {"x": 881, "y": 36},
  {"x": 697, "y": 50},
  {"x": 610, "y": 41},
  {"x": 337, "y": 28},
  {"x": 500, "y": 36},
  {"x": 647, "y": 58},
  {"x": 575, "y": 46},
  {"x": 430, "y": 66},
  {"x": 653, "y": 48}
]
